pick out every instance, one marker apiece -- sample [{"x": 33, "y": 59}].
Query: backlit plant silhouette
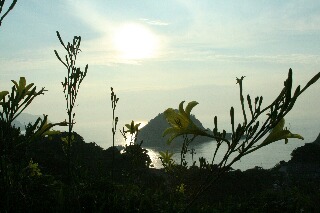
[
  {"x": 13, "y": 3},
  {"x": 12, "y": 104},
  {"x": 114, "y": 101},
  {"x": 71, "y": 85},
  {"x": 133, "y": 151},
  {"x": 246, "y": 136}
]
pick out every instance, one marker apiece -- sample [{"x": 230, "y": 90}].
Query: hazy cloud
[{"x": 154, "y": 22}]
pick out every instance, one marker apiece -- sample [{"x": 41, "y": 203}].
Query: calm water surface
[{"x": 267, "y": 157}]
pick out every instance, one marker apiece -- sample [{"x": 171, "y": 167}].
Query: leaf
[
  {"x": 3, "y": 94},
  {"x": 232, "y": 118},
  {"x": 29, "y": 86},
  {"x": 60, "y": 39},
  {"x": 15, "y": 83},
  {"x": 250, "y": 104},
  {"x": 44, "y": 128},
  {"x": 166, "y": 156},
  {"x": 288, "y": 85},
  {"x": 312, "y": 81}
]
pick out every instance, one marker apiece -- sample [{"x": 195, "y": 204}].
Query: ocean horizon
[{"x": 266, "y": 157}]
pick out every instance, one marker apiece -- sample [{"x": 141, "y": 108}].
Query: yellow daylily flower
[
  {"x": 167, "y": 161},
  {"x": 181, "y": 188},
  {"x": 166, "y": 157},
  {"x": 278, "y": 133},
  {"x": 181, "y": 122},
  {"x": 45, "y": 127},
  {"x": 132, "y": 128},
  {"x": 32, "y": 170},
  {"x": 22, "y": 87}
]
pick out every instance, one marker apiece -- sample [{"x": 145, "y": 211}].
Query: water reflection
[
  {"x": 154, "y": 156},
  {"x": 267, "y": 157}
]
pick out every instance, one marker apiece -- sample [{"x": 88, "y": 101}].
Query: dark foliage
[
  {"x": 309, "y": 153},
  {"x": 138, "y": 188},
  {"x": 137, "y": 157}
]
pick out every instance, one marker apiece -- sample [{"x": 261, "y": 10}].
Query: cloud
[
  {"x": 293, "y": 16},
  {"x": 35, "y": 59},
  {"x": 194, "y": 55},
  {"x": 101, "y": 49},
  {"x": 154, "y": 22},
  {"x": 223, "y": 29},
  {"x": 87, "y": 13}
]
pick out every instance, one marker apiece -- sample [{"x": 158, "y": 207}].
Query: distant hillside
[
  {"x": 18, "y": 124},
  {"x": 24, "y": 119},
  {"x": 151, "y": 134},
  {"x": 305, "y": 160}
]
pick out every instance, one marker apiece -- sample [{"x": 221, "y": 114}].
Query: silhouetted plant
[
  {"x": 13, "y": 3},
  {"x": 12, "y": 144},
  {"x": 136, "y": 156},
  {"x": 12, "y": 105},
  {"x": 133, "y": 152},
  {"x": 114, "y": 101},
  {"x": 71, "y": 85},
  {"x": 166, "y": 160},
  {"x": 250, "y": 129},
  {"x": 133, "y": 130}
]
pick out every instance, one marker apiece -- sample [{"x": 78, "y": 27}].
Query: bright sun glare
[{"x": 134, "y": 41}]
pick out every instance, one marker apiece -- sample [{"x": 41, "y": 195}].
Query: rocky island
[{"x": 151, "y": 134}]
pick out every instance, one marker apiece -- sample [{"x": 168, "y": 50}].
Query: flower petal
[
  {"x": 190, "y": 106},
  {"x": 22, "y": 83},
  {"x": 169, "y": 130},
  {"x": 181, "y": 110},
  {"x": 278, "y": 133},
  {"x": 181, "y": 122},
  {"x": 279, "y": 126},
  {"x": 173, "y": 136},
  {"x": 175, "y": 119}
]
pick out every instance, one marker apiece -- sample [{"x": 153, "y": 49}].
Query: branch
[{"x": 9, "y": 9}]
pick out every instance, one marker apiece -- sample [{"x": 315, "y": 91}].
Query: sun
[{"x": 134, "y": 41}]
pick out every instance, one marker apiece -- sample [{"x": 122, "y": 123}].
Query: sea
[{"x": 267, "y": 157}]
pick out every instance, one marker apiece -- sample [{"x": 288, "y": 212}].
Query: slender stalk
[
  {"x": 114, "y": 101},
  {"x": 239, "y": 81},
  {"x": 71, "y": 85},
  {"x": 278, "y": 109}
]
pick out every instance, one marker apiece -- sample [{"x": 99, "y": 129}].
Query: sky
[{"x": 156, "y": 54}]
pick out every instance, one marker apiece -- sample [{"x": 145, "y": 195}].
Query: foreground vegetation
[
  {"x": 43, "y": 185},
  {"x": 49, "y": 171}
]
